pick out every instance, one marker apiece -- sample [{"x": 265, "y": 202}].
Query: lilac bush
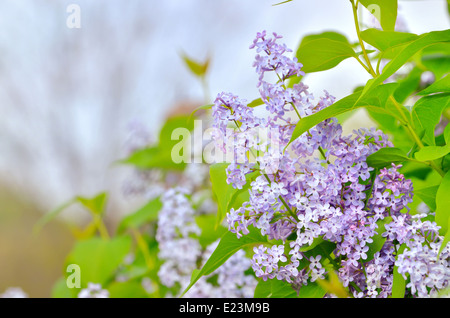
[{"x": 320, "y": 187}]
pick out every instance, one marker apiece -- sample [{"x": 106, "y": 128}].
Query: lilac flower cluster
[
  {"x": 177, "y": 236},
  {"x": 14, "y": 292},
  {"x": 320, "y": 188},
  {"x": 93, "y": 291},
  {"x": 428, "y": 268}
]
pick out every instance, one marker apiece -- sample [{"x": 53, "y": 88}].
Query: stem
[
  {"x": 205, "y": 87},
  {"x": 353, "y": 284},
  {"x": 363, "y": 65},
  {"x": 414, "y": 135},
  {"x": 289, "y": 209},
  {"x": 322, "y": 152},
  {"x": 283, "y": 201},
  {"x": 379, "y": 63},
  {"x": 320, "y": 147},
  {"x": 358, "y": 32},
  {"x": 101, "y": 227},
  {"x": 371, "y": 188},
  {"x": 143, "y": 247},
  {"x": 268, "y": 180}
]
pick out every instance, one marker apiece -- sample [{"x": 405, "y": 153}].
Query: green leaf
[
  {"x": 384, "y": 10},
  {"x": 95, "y": 205},
  {"x": 312, "y": 290},
  {"x": 229, "y": 244},
  {"x": 152, "y": 157},
  {"x": 60, "y": 290},
  {"x": 99, "y": 259},
  {"x": 438, "y": 64},
  {"x": 283, "y": 2},
  {"x": 378, "y": 239},
  {"x": 440, "y": 86},
  {"x": 209, "y": 233},
  {"x": 385, "y": 157},
  {"x": 263, "y": 289},
  {"x": 430, "y": 153},
  {"x": 383, "y": 40},
  {"x": 323, "y": 53},
  {"x": 273, "y": 288},
  {"x": 406, "y": 52},
  {"x": 446, "y": 238},
  {"x": 256, "y": 102},
  {"x": 447, "y": 134},
  {"x": 443, "y": 204},
  {"x": 426, "y": 114},
  {"x": 399, "y": 283},
  {"x": 203, "y": 107},
  {"x": 282, "y": 289},
  {"x": 51, "y": 215},
  {"x": 377, "y": 99},
  {"x": 333, "y": 285},
  {"x": 160, "y": 156},
  {"x": 176, "y": 122},
  {"x": 428, "y": 195},
  {"x": 390, "y": 125},
  {"x": 448, "y": 7},
  {"x": 197, "y": 68},
  {"x": 128, "y": 289},
  {"x": 147, "y": 213},
  {"x": 330, "y": 35},
  {"x": 408, "y": 85},
  {"x": 225, "y": 193},
  {"x": 317, "y": 241}
]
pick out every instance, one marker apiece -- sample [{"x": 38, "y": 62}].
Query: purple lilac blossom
[
  {"x": 93, "y": 291},
  {"x": 181, "y": 252},
  {"x": 334, "y": 196}
]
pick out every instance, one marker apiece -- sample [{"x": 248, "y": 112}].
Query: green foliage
[
  {"x": 274, "y": 288},
  {"x": 99, "y": 259},
  {"x": 210, "y": 233},
  {"x": 443, "y": 204},
  {"x": 229, "y": 244},
  {"x": 428, "y": 195},
  {"x": 440, "y": 86},
  {"x": 60, "y": 290},
  {"x": 383, "y": 40},
  {"x": 197, "y": 68},
  {"x": 446, "y": 237},
  {"x": 95, "y": 205},
  {"x": 320, "y": 52},
  {"x": 146, "y": 214},
  {"x": 130, "y": 289},
  {"x": 384, "y": 10},
  {"x": 226, "y": 195},
  {"x": 160, "y": 156},
  {"x": 430, "y": 153},
  {"x": 376, "y": 100},
  {"x": 427, "y": 113},
  {"x": 408, "y": 50},
  {"x": 398, "y": 283}
]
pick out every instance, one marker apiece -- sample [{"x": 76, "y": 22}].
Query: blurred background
[{"x": 70, "y": 98}]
